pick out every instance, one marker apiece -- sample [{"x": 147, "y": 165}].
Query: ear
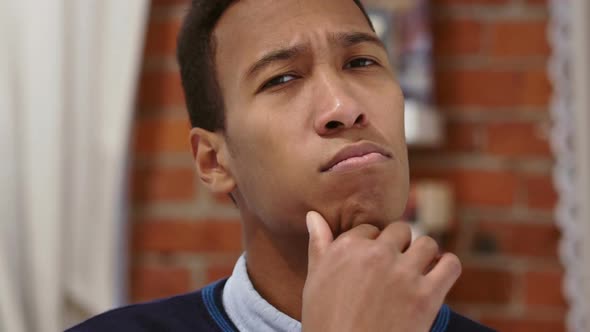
[{"x": 212, "y": 160}]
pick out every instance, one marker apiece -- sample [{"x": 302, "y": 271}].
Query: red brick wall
[
  {"x": 491, "y": 59},
  {"x": 492, "y": 86}
]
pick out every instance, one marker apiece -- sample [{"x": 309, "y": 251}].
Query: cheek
[
  {"x": 269, "y": 171},
  {"x": 387, "y": 115}
]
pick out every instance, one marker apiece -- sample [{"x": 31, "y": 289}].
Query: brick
[
  {"x": 161, "y": 135},
  {"x": 456, "y": 37},
  {"x": 148, "y": 283},
  {"x": 160, "y": 89},
  {"x": 472, "y": 187},
  {"x": 206, "y": 236},
  {"x": 425, "y": 173},
  {"x": 216, "y": 272},
  {"x": 484, "y": 188},
  {"x": 544, "y": 288},
  {"x": 161, "y": 37},
  {"x": 518, "y": 239},
  {"x": 158, "y": 184},
  {"x": 483, "y": 286},
  {"x": 462, "y": 136},
  {"x": 537, "y": 2},
  {"x": 524, "y": 324},
  {"x": 541, "y": 192},
  {"x": 519, "y": 38},
  {"x": 518, "y": 140},
  {"x": 471, "y": 2},
  {"x": 492, "y": 88}
]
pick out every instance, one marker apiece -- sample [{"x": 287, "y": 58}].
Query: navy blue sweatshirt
[{"x": 203, "y": 311}]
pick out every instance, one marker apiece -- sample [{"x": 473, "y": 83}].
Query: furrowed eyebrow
[
  {"x": 283, "y": 54},
  {"x": 342, "y": 39},
  {"x": 350, "y": 39}
]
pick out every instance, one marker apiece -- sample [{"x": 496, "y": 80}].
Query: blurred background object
[
  {"x": 67, "y": 86},
  {"x": 513, "y": 161},
  {"x": 404, "y": 27}
]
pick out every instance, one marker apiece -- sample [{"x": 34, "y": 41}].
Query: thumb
[{"x": 320, "y": 237}]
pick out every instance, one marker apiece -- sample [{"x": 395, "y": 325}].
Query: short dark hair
[{"x": 196, "y": 57}]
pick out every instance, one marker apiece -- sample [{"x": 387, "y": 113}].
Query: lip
[{"x": 354, "y": 151}]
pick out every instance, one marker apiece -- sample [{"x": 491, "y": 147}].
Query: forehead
[{"x": 248, "y": 28}]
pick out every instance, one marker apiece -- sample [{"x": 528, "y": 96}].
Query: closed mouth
[{"x": 354, "y": 156}]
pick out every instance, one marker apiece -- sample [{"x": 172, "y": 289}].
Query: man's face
[{"x": 302, "y": 81}]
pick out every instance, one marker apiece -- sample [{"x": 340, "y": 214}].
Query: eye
[
  {"x": 278, "y": 80},
  {"x": 359, "y": 63}
]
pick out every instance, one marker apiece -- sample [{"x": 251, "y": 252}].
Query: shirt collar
[{"x": 248, "y": 310}]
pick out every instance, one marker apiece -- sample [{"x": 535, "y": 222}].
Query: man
[{"x": 297, "y": 116}]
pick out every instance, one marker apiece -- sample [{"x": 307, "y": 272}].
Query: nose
[{"x": 336, "y": 107}]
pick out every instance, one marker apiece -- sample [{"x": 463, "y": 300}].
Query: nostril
[
  {"x": 333, "y": 124},
  {"x": 360, "y": 119}
]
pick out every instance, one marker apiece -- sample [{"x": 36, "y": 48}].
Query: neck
[{"x": 277, "y": 267}]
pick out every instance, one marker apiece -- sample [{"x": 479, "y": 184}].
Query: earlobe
[{"x": 211, "y": 160}]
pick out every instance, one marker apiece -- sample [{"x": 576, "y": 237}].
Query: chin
[
  {"x": 376, "y": 196},
  {"x": 372, "y": 208}
]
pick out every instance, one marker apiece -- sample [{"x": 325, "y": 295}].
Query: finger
[
  {"x": 362, "y": 231},
  {"x": 397, "y": 235},
  {"x": 422, "y": 253},
  {"x": 320, "y": 237},
  {"x": 445, "y": 273}
]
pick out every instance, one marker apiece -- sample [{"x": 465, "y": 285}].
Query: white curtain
[
  {"x": 68, "y": 71},
  {"x": 569, "y": 69}
]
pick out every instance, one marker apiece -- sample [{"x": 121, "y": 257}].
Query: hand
[{"x": 371, "y": 280}]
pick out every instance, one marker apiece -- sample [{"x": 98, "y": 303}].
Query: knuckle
[
  {"x": 404, "y": 228},
  {"x": 376, "y": 254},
  {"x": 402, "y": 232},
  {"x": 369, "y": 228},
  {"x": 426, "y": 243},
  {"x": 454, "y": 264},
  {"x": 345, "y": 241}
]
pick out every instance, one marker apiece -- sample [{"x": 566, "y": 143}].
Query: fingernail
[{"x": 309, "y": 222}]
